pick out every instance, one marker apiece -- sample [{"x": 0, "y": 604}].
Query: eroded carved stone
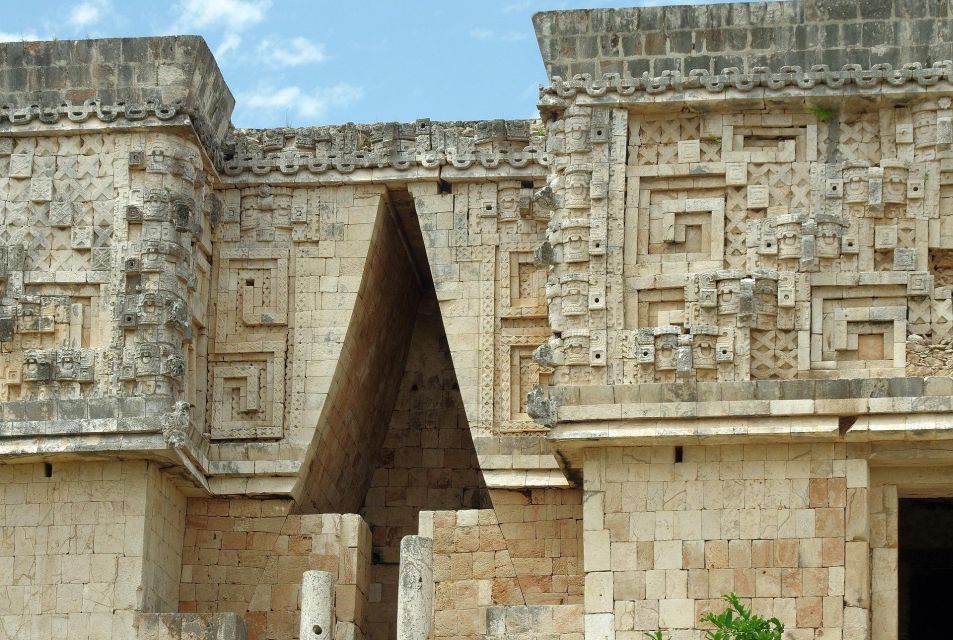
[{"x": 415, "y": 588}]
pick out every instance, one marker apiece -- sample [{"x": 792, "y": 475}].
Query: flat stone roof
[
  {"x": 168, "y": 71},
  {"x": 714, "y": 37}
]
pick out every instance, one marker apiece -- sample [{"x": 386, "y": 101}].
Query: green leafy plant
[
  {"x": 736, "y": 622},
  {"x": 822, "y": 113},
  {"x": 713, "y": 139}
]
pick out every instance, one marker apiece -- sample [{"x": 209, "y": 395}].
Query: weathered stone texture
[
  {"x": 378, "y": 286},
  {"x": 686, "y": 334},
  {"x": 426, "y": 462},
  {"x": 87, "y": 545},
  {"x": 655, "y": 40},
  {"x": 525, "y": 551},
  {"x": 415, "y": 594},
  {"x": 190, "y": 626},
  {"x": 247, "y": 556},
  {"x": 317, "y": 605},
  {"x": 765, "y": 522},
  {"x": 119, "y": 74}
]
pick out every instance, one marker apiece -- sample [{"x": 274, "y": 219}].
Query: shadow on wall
[
  {"x": 427, "y": 461},
  {"x": 366, "y": 379},
  {"x": 394, "y": 438}
]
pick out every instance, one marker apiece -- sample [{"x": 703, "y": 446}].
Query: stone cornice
[
  {"x": 52, "y": 114},
  {"x": 489, "y": 145},
  {"x": 400, "y": 147},
  {"x": 292, "y": 162},
  {"x": 133, "y": 79},
  {"x": 786, "y": 78}
]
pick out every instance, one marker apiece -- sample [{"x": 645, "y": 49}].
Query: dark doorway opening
[{"x": 926, "y": 566}]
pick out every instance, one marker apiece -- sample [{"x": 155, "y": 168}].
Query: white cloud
[
  {"x": 501, "y": 36},
  {"x": 87, "y": 13},
  {"x": 292, "y": 102},
  {"x": 297, "y": 51},
  {"x": 234, "y": 15},
  {"x": 229, "y": 43},
  {"x": 517, "y": 6},
  {"x": 9, "y": 36}
]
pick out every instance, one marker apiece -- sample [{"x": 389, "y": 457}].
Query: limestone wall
[
  {"x": 162, "y": 542},
  {"x": 213, "y": 294},
  {"x": 84, "y": 548},
  {"x": 462, "y": 230},
  {"x": 542, "y": 529},
  {"x": 696, "y": 325},
  {"x": 722, "y": 211},
  {"x": 382, "y": 292},
  {"x": 426, "y": 462},
  {"x": 656, "y": 40},
  {"x": 665, "y": 540},
  {"x": 733, "y": 291},
  {"x": 190, "y": 626},
  {"x": 480, "y": 239},
  {"x": 535, "y": 621},
  {"x": 247, "y": 556},
  {"x": 525, "y": 551},
  {"x": 148, "y": 80},
  {"x": 310, "y": 282}
]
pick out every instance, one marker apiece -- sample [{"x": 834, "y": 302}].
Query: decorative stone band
[
  {"x": 12, "y": 116},
  {"x": 52, "y": 114},
  {"x": 264, "y": 160},
  {"x": 159, "y": 425},
  {"x": 487, "y": 145},
  {"x": 759, "y": 77},
  {"x": 293, "y": 162}
]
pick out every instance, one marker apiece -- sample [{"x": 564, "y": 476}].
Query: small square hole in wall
[
  {"x": 679, "y": 454},
  {"x": 47, "y": 470}
]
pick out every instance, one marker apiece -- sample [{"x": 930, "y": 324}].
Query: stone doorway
[{"x": 926, "y": 566}]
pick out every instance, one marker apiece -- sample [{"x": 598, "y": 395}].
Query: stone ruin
[{"x": 575, "y": 378}]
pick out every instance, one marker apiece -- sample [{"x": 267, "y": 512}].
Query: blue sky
[{"x": 299, "y": 62}]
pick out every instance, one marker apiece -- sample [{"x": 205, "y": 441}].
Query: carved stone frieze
[{"x": 753, "y": 245}]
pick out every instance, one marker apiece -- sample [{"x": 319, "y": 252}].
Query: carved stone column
[
  {"x": 415, "y": 589},
  {"x": 317, "y": 606}
]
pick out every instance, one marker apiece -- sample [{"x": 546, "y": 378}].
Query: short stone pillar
[
  {"x": 415, "y": 588},
  {"x": 317, "y": 606}
]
